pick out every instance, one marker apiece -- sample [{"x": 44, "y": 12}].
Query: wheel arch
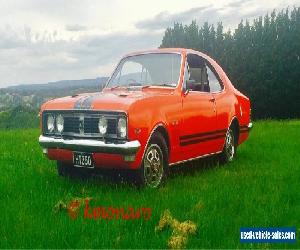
[
  {"x": 161, "y": 128},
  {"x": 235, "y": 125}
]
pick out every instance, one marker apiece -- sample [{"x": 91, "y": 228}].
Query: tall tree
[{"x": 261, "y": 58}]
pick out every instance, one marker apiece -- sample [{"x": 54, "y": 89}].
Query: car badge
[{"x": 81, "y": 124}]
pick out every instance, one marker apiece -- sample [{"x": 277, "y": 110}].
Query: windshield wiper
[
  {"x": 116, "y": 87},
  {"x": 140, "y": 86},
  {"x": 166, "y": 84},
  {"x": 134, "y": 85},
  {"x": 162, "y": 84},
  {"x": 146, "y": 86}
]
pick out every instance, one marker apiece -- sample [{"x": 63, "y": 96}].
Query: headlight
[
  {"x": 102, "y": 125},
  {"x": 122, "y": 127},
  {"x": 50, "y": 123},
  {"x": 60, "y": 123}
]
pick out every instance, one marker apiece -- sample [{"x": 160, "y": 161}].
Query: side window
[
  {"x": 197, "y": 74},
  {"x": 214, "y": 83}
]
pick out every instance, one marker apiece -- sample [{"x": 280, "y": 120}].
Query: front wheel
[
  {"x": 155, "y": 163},
  {"x": 229, "y": 149}
]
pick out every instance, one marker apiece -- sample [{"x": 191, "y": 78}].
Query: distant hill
[
  {"x": 59, "y": 87},
  {"x": 33, "y": 95}
]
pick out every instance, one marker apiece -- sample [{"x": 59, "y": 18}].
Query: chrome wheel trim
[
  {"x": 229, "y": 145},
  {"x": 153, "y": 166}
]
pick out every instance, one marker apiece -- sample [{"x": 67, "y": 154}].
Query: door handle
[{"x": 212, "y": 99}]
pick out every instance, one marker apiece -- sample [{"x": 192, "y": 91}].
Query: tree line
[
  {"x": 262, "y": 58},
  {"x": 19, "y": 117}
]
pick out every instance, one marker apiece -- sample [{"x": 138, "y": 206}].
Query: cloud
[
  {"x": 44, "y": 60},
  {"x": 11, "y": 39},
  {"x": 75, "y": 27},
  {"x": 229, "y": 14},
  {"x": 44, "y": 41},
  {"x": 237, "y": 4},
  {"x": 165, "y": 19}
]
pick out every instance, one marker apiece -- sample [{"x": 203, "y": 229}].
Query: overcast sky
[{"x": 50, "y": 40}]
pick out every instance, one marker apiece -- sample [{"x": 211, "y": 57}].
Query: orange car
[{"x": 159, "y": 108}]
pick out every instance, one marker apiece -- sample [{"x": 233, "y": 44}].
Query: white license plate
[{"x": 83, "y": 160}]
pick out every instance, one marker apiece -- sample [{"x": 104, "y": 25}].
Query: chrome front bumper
[{"x": 92, "y": 146}]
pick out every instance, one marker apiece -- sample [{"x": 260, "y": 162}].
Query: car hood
[{"x": 119, "y": 100}]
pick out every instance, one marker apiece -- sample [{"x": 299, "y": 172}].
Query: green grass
[{"x": 261, "y": 188}]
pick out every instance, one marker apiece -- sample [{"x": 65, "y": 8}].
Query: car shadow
[
  {"x": 190, "y": 168},
  {"x": 124, "y": 176},
  {"x": 107, "y": 176}
]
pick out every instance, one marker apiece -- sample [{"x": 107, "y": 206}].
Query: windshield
[{"x": 147, "y": 70}]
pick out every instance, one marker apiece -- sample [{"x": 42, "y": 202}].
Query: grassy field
[{"x": 261, "y": 188}]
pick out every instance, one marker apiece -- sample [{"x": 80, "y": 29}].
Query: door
[
  {"x": 198, "y": 126},
  {"x": 223, "y": 103}
]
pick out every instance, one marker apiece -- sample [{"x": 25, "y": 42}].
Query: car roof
[
  {"x": 164, "y": 50},
  {"x": 167, "y": 50}
]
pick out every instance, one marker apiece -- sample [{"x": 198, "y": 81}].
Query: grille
[
  {"x": 85, "y": 124},
  {"x": 91, "y": 125},
  {"x": 112, "y": 126},
  {"x": 71, "y": 124}
]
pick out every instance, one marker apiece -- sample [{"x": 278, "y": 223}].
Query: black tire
[
  {"x": 64, "y": 169},
  {"x": 155, "y": 160},
  {"x": 230, "y": 146}
]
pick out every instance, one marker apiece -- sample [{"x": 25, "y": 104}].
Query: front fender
[{"x": 141, "y": 128}]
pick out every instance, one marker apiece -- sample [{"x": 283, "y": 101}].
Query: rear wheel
[
  {"x": 154, "y": 166},
  {"x": 230, "y": 146}
]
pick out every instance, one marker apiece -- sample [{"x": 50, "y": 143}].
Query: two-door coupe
[{"x": 159, "y": 108}]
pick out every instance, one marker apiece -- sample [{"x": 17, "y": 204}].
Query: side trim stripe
[
  {"x": 186, "y": 140},
  {"x": 185, "y": 143},
  {"x": 184, "y": 137},
  {"x": 244, "y": 129}
]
